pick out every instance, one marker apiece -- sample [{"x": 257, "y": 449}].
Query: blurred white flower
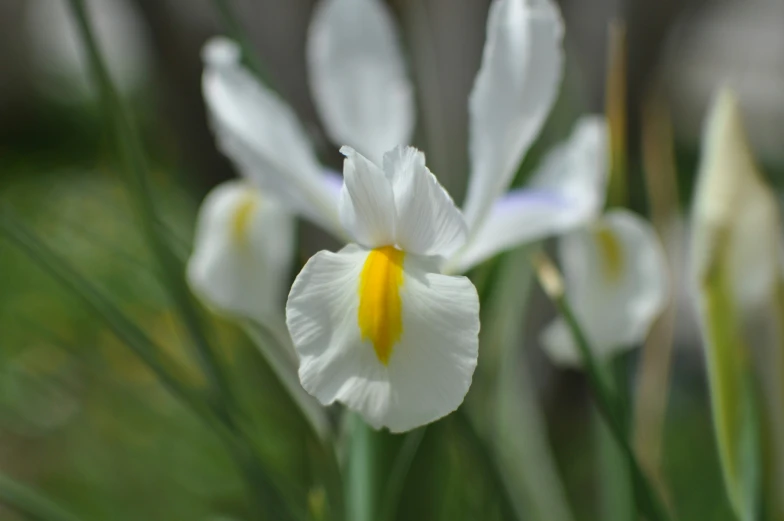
[
  {"x": 360, "y": 87},
  {"x": 242, "y": 253},
  {"x": 59, "y": 57},
  {"x": 377, "y": 326},
  {"x": 616, "y": 280}
]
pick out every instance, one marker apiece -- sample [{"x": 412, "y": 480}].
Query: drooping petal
[
  {"x": 367, "y": 203},
  {"x": 358, "y": 77},
  {"x": 243, "y": 246},
  {"x": 616, "y": 281},
  {"x": 513, "y": 93},
  {"x": 567, "y": 191},
  {"x": 426, "y": 372},
  {"x": 428, "y": 222},
  {"x": 264, "y": 138}
]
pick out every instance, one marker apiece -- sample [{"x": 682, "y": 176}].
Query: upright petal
[
  {"x": 264, "y": 138},
  {"x": 566, "y": 191},
  {"x": 367, "y": 203},
  {"x": 430, "y": 366},
  {"x": 512, "y": 96},
  {"x": 428, "y": 222},
  {"x": 616, "y": 281},
  {"x": 243, "y": 247},
  {"x": 358, "y": 77}
]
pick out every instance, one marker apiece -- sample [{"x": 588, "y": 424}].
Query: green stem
[
  {"x": 610, "y": 406},
  {"x": 617, "y": 497},
  {"x": 30, "y": 503},
  {"x": 361, "y": 489},
  {"x": 232, "y": 23},
  {"x": 648, "y": 503}
]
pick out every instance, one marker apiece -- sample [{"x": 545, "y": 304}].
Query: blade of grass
[
  {"x": 615, "y": 108},
  {"x": 233, "y": 25},
  {"x": 30, "y": 503},
  {"x": 397, "y": 476},
  {"x": 519, "y": 437},
  {"x": 134, "y": 161},
  {"x": 466, "y": 428},
  {"x": 732, "y": 387},
  {"x": 653, "y": 376},
  {"x": 262, "y": 489},
  {"x": 125, "y": 330},
  {"x": 648, "y": 503},
  {"x": 282, "y": 360},
  {"x": 617, "y": 499}
]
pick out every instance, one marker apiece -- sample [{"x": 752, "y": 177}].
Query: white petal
[
  {"x": 264, "y": 138},
  {"x": 243, "y": 247},
  {"x": 428, "y": 222},
  {"x": 358, "y": 77},
  {"x": 566, "y": 191},
  {"x": 430, "y": 367},
  {"x": 617, "y": 282},
  {"x": 367, "y": 204},
  {"x": 513, "y": 93}
]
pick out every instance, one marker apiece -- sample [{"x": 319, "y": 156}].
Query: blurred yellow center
[
  {"x": 380, "y": 317},
  {"x": 611, "y": 253},
  {"x": 240, "y": 221}
]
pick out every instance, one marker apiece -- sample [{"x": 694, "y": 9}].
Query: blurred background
[{"x": 86, "y": 423}]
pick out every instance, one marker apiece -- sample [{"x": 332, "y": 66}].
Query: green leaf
[
  {"x": 275, "y": 345},
  {"x": 731, "y": 388},
  {"x": 129, "y": 146},
  {"x": 263, "y": 489},
  {"x": 399, "y": 474},
  {"x": 30, "y": 503},
  {"x": 519, "y": 436},
  {"x": 102, "y": 305}
]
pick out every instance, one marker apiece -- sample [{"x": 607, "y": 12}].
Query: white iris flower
[
  {"x": 616, "y": 280},
  {"x": 376, "y": 325},
  {"x": 361, "y": 90},
  {"x": 243, "y": 248}
]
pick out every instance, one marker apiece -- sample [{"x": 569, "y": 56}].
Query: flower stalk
[{"x": 610, "y": 406}]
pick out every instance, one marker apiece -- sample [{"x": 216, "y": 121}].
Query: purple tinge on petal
[
  {"x": 523, "y": 216},
  {"x": 333, "y": 181},
  {"x": 532, "y": 197}
]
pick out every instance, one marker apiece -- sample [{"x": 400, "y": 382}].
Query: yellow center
[
  {"x": 241, "y": 219},
  {"x": 380, "y": 318},
  {"x": 611, "y": 252}
]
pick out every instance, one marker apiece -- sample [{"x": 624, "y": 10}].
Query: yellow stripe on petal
[
  {"x": 242, "y": 215},
  {"x": 611, "y": 254},
  {"x": 380, "y": 310}
]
